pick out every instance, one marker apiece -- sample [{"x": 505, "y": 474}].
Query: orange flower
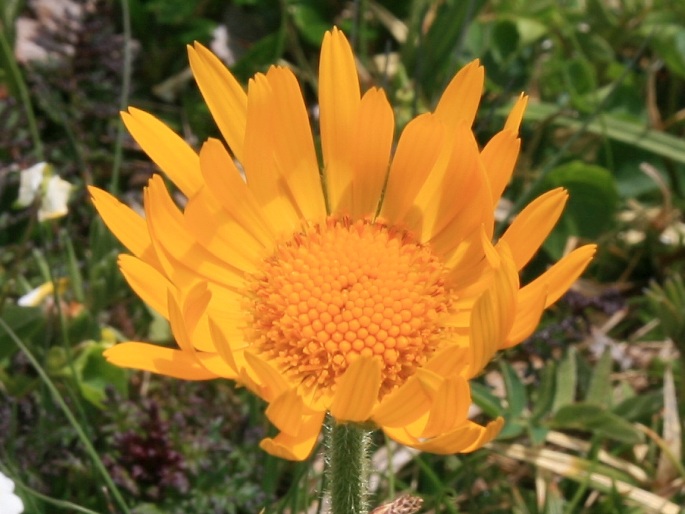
[{"x": 366, "y": 286}]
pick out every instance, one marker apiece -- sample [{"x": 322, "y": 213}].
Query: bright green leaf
[
  {"x": 598, "y": 420},
  {"x": 599, "y": 391},
  {"x": 545, "y": 392},
  {"x": 96, "y": 374},
  {"x": 487, "y": 401},
  {"x": 591, "y": 206},
  {"x": 567, "y": 378},
  {"x": 516, "y": 391}
]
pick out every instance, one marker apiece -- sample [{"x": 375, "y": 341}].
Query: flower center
[{"x": 347, "y": 288}]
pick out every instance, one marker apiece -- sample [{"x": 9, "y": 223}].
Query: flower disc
[{"x": 344, "y": 289}]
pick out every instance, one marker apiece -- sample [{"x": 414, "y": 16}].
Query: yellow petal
[
  {"x": 459, "y": 102},
  {"x": 293, "y": 145},
  {"x": 339, "y": 101},
  {"x": 493, "y": 313},
  {"x": 420, "y": 149},
  {"x": 228, "y": 309},
  {"x": 430, "y": 381},
  {"x": 297, "y": 447},
  {"x": 177, "y": 322},
  {"x": 400, "y": 435},
  {"x": 451, "y": 442},
  {"x": 450, "y": 407},
  {"x": 223, "y": 346},
  {"x": 183, "y": 320},
  {"x": 222, "y": 237},
  {"x": 157, "y": 359},
  {"x": 227, "y": 185},
  {"x": 561, "y": 276},
  {"x": 463, "y": 439},
  {"x": 371, "y": 158},
  {"x": 357, "y": 390},
  {"x": 147, "y": 282},
  {"x": 184, "y": 260},
  {"x": 440, "y": 202},
  {"x": 465, "y": 261},
  {"x": 272, "y": 383},
  {"x": 127, "y": 226},
  {"x": 532, "y": 226},
  {"x": 195, "y": 304},
  {"x": 217, "y": 365},
  {"x": 403, "y": 405},
  {"x": 491, "y": 431},
  {"x": 264, "y": 177},
  {"x": 448, "y": 361},
  {"x": 166, "y": 149},
  {"x": 286, "y": 412},
  {"x": 530, "y": 304},
  {"x": 516, "y": 115},
  {"x": 499, "y": 159},
  {"x": 223, "y": 94},
  {"x": 203, "y": 299}
]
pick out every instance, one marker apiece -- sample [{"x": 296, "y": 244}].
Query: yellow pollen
[{"x": 346, "y": 288}]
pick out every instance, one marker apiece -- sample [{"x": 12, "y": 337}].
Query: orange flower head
[{"x": 366, "y": 286}]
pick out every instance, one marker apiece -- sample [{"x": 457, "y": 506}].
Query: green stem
[
  {"x": 348, "y": 468},
  {"x": 59, "y": 399}
]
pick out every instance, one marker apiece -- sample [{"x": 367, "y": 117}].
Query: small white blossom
[
  {"x": 10, "y": 503},
  {"x": 30, "y": 182},
  {"x": 40, "y": 181}
]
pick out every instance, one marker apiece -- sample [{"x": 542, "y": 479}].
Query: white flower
[
  {"x": 40, "y": 181},
  {"x": 10, "y": 503},
  {"x": 54, "y": 204},
  {"x": 31, "y": 180}
]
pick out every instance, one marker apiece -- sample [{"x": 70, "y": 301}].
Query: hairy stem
[{"x": 348, "y": 468}]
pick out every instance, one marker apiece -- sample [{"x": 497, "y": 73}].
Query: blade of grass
[
  {"x": 125, "y": 91},
  {"x": 61, "y": 504},
  {"x": 59, "y": 399},
  {"x": 75, "y": 276},
  {"x": 672, "y": 434},
  {"x": 17, "y": 80},
  {"x": 612, "y": 127},
  {"x": 580, "y": 470}
]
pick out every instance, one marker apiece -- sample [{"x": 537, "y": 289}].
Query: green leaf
[
  {"x": 147, "y": 508},
  {"x": 612, "y": 127},
  {"x": 511, "y": 429},
  {"x": 481, "y": 395},
  {"x": 542, "y": 404},
  {"x": 566, "y": 381},
  {"x": 529, "y": 30},
  {"x": 591, "y": 206},
  {"x": 596, "y": 48},
  {"x": 434, "y": 57},
  {"x": 311, "y": 18},
  {"x": 580, "y": 76},
  {"x": 260, "y": 55},
  {"x": 96, "y": 374},
  {"x": 640, "y": 407},
  {"x": 537, "y": 435},
  {"x": 505, "y": 39},
  {"x": 669, "y": 43},
  {"x": 598, "y": 420},
  {"x": 517, "y": 398},
  {"x": 599, "y": 391}
]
